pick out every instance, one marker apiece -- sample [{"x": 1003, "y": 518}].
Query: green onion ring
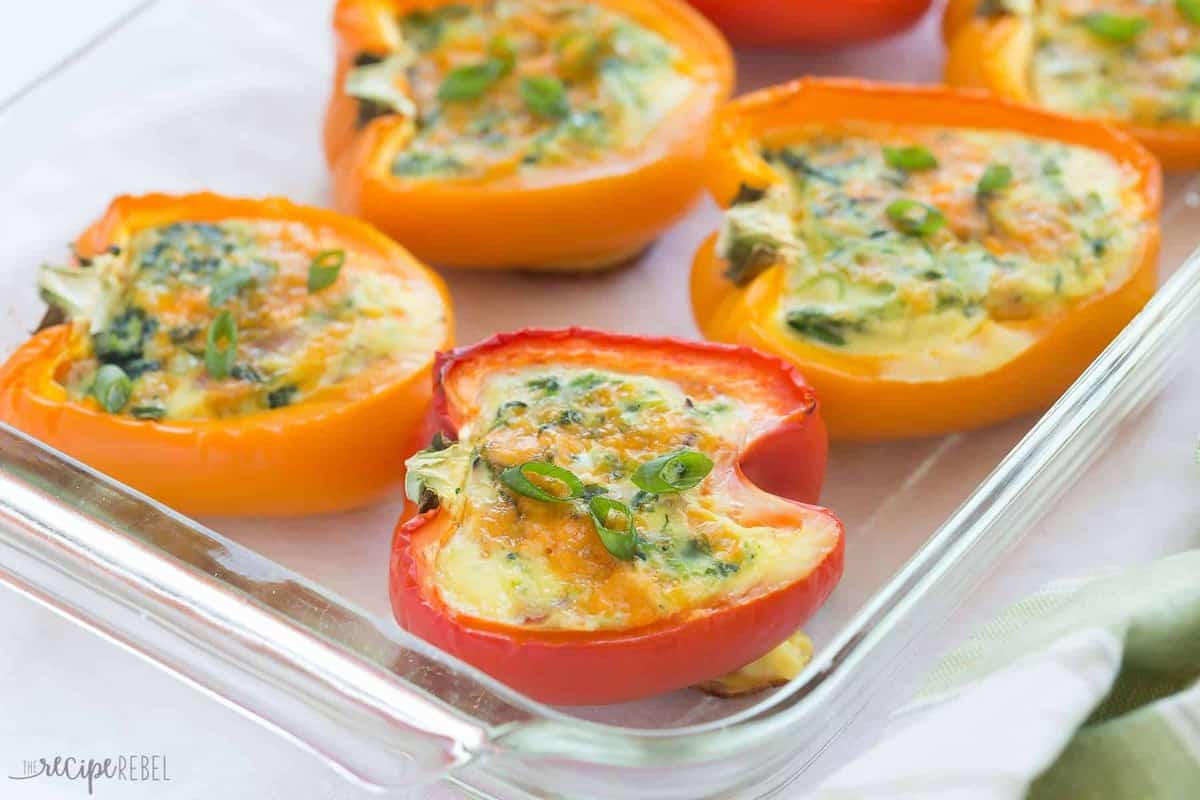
[
  {"x": 516, "y": 478},
  {"x": 622, "y": 544},
  {"x": 674, "y": 472}
]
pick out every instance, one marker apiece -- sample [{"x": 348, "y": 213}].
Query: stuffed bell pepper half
[
  {"x": 233, "y": 356},
  {"x": 537, "y": 134},
  {"x": 604, "y": 517},
  {"x": 933, "y": 260},
  {"x": 1129, "y": 62}
]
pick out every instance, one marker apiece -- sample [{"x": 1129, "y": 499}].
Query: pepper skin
[
  {"x": 858, "y": 403},
  {"x": 774, "y": 477},
  {"x": 577, "y": 217},
  {"x": 346, "y": 450},
  {"x": 782, "y": 23},
  {"x": 994, "y": 53}
]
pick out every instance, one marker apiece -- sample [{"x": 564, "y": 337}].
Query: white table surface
[{"x": 65, "y": 691}]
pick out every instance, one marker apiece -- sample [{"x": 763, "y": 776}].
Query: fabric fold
[{"x": 1085, "y": 690}]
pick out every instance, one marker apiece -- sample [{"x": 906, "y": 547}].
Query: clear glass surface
[{"x": 290, "y": 621}]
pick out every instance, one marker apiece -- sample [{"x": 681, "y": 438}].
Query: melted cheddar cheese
[
  {"x": 495, "y": 88},
  {"x": 1134, "y": 60},
  {"x": 516, "y": 560},
  {"x": 147, "y": 308},
  {"x": 906, "y": 240},
  {"x": 776, "y": 668}
]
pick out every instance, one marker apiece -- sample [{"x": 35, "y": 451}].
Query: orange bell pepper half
[
  {"x": 698, "y": 573},
  {"x": 202, "y": 429},
  {"x": 592, "y": 205},
  {"x": 1019, "y": 356},
  {"x": 992, "y": 46},
  {"x": 777, "y": 23}
]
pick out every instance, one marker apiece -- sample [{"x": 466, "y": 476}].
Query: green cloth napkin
[{"x": 1085, "y": 691}]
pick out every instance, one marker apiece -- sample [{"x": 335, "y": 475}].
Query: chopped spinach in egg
[
  {"x": 517, "y": 559},
  {"x": 492, "y": 88},
  {"x": 208, "y": 320},
  {"x": 1135, "y": 60},
  {"x": 896, "y": 238}
]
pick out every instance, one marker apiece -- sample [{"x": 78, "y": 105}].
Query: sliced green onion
[
  {"x": 1190, "y": 9},
  {"x": 620, "y": 542},
  {"x": 914, "y": 217},
  {"x": 909, "y": 159},
  {"x": 149, "y": 411},
  {"x": 469, "y": 82},
  {"x": 112, "y": 388},
  {"x": 517, "y": 479},
  {"x": 545, "y": 96},
  {"x": 227, "y": 285},
  {"x": 994, "y": 178},
  {"x": 324, "y": 268},
  {"x": 1114, "y": 27},
  {"x": 220, "y": 349},
  {"x": 674, "y": 472}
]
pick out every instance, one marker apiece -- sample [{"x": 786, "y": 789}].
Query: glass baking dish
[{"x": 289, "y": 620}]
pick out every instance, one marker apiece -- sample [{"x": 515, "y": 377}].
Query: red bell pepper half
[
  {"x": 779, "y": 23},
  {"x": 624, "y": 629}
]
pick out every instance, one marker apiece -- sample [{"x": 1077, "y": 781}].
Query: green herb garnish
[
  {"x": 228, "y": 284},
  {"x": 545, "y": 96},
  {"x": 914, "y": 217},
  {"x": 220, "y": 349},
  {"x": 518, "y": 479},
  {"x": 910, "y": 159},
  {"x": 994, "y": 178},
  {"x": 1114, "y": 27},
  {"x": 471, "y": 81},
  {"x": 621, "y": 542},
  {"x": 324, "y": 268},
  {"x": 112, "y": 388},
  {"x": 674, "y": 472}
]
